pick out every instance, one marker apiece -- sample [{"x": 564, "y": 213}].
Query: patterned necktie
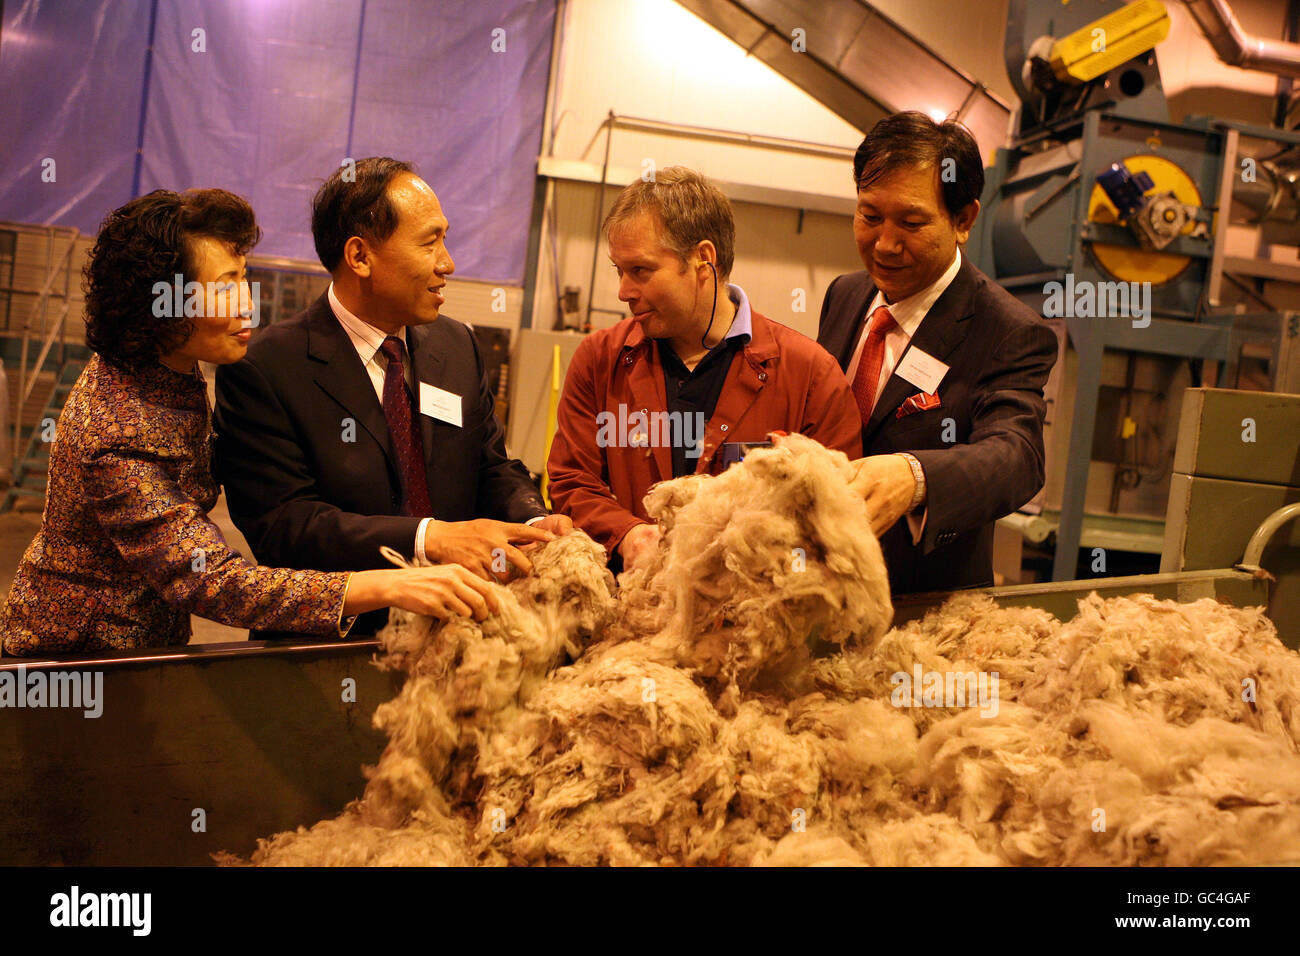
[
  {"x": 867, "y": 380},
  {"x": 403, "y": 433}
]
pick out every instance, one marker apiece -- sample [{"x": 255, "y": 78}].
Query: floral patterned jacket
[{"x": 126, "y": 552}]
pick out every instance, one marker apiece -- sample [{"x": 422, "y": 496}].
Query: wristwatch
[{"x": 918, "y": 473}]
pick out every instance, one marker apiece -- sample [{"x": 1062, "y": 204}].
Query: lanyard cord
[{"x": 704, "y": 339}]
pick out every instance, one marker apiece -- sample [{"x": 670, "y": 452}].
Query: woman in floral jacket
[{"x": 126, "y": 552}]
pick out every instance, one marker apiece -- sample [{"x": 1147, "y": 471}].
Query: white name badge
[
  {"x": 922, "y": 370},
  {"x": 440, "y": 404}
]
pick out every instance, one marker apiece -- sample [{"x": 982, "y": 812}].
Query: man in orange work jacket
[{"x": 692, "y": 370}]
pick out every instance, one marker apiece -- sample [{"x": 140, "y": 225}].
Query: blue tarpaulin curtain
[{"x": 268, "y": 99}]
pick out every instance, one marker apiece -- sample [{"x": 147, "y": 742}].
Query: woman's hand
[{"x": 441, "y": 591}]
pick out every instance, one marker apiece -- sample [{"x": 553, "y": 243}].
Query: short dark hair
[
  {"x": 146, "y": 241},
  {"x": 354, "y": 202},
  {"x": 913, "y": 139},
  {"x": 690, "y": 209}
]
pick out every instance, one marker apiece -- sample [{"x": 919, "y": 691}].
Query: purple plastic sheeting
[
  {"x": 72, "y": 76},
  {"x": 281, "y": 93},
  {"x": 430, "y": 89}
]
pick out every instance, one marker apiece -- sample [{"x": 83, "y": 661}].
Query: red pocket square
[{"x": 920, "y": 402}]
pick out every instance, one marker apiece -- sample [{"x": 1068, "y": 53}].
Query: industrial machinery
[{"x": 1112, "y": 222}]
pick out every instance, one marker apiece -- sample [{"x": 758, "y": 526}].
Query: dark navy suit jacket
[
  {"x": 310, "y": 490},
  {"x": 999, "y": 353}
]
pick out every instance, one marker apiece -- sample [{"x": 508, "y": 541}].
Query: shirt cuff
[
  {"x": 344, "y": 624},
  {"x": 421, "y": 559},
  {"x": 916, "y": 523}
]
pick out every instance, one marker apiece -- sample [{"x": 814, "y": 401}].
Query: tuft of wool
[
  {"x": 684, "y": 721},
  {"x": 755, "y": 560},
  {"x": 466, "y": 683}
]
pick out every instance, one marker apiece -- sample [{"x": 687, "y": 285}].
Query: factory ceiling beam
[{"x": 856, "y": 61}]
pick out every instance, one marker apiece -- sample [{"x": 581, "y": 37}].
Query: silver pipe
[
  {"x": 646, "y": 125},
  {"x": 1235, "y": 46},
  {"x": 285, "y": 264},
  {"x": 550, "y": 122},
  {"x": 196, "y": 654},
  {"x": 1259, "y": 540},
  {"x": 552, "y": 233}
]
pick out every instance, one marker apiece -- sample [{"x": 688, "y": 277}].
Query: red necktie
[
  {"x": 404, "y": 434},
  {"x": 867, "y": 379}
]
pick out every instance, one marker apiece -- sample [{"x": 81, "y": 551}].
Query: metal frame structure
[
  {"x": 1034, "y": 226},
  {"x": 1207, "y": 339}
]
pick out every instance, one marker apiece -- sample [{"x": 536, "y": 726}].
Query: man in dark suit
[
  {"x": 948, "y": 368},
  {"x": 366, "y": 420}
]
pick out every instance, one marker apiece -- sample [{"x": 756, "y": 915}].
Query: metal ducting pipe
[
  {"x": 1273, "y": 196},
  {"x": 856, "y": 62},
  {"x": 1235, "y": 46}
]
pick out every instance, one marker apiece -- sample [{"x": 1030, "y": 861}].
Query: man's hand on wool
[
  {"x": 638, "y": 545},
  {"x": 887, "y": 485}
]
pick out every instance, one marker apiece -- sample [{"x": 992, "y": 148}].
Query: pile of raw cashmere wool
[{"x": 684, "y": 720}]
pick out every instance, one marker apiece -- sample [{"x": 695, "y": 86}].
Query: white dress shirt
[
  {"x": 367, "y": 339},
  {"x": 908, "y": 314}
]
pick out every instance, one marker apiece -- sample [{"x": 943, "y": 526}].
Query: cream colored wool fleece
[{"x": 694, "y": 727}]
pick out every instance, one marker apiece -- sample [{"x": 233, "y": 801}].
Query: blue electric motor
[{"x": 1125, "y": 189}]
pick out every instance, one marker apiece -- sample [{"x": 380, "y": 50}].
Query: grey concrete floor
[{"x": 17, "y": 528}]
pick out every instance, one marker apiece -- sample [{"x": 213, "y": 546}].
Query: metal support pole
[
  {"x": 600, "y": 203},
  {"x": 532, "y": 258},
  {"x": 1088, "y": 345}
]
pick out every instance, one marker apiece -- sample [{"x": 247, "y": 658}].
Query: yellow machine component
[
  {"x": 552, "y": 416},
  {"x": 1104, "y": 44},
  {"x": 1131, "y": 263}
]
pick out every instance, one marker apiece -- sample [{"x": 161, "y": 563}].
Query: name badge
[
  {"x": 922, "y": 370},
  {"x": 440, "y": 404}
]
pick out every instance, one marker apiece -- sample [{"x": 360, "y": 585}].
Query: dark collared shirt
[{"x": 695, "y": 392}]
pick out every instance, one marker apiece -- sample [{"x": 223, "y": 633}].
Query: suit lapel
[
  {"x": 855, "y": 311},
  {"x": 342, "y": 376},
  {"x": 940, "y": 332}
]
